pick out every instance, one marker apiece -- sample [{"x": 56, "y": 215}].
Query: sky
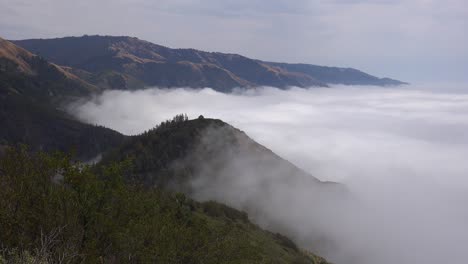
[
  {"x": 401, "y": 152},
  {"x": 417, "y": 41}
]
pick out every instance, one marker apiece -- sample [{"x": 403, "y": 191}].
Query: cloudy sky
[{"x": 411, "y": 40}]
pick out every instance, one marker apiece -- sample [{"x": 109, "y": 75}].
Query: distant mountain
[
  {"x": 130, "y": 63},
  {"x": 335, "y": 75}
]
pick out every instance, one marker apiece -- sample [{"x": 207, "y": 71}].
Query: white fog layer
[{"x": 403, "y": 151}]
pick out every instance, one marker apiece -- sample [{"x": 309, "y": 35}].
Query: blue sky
[{"x": 411, "y": 40}]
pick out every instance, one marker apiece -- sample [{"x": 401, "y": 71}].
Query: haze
[
  {"x": 401, "y": 151},
  {"x": 408, "y": 40}
]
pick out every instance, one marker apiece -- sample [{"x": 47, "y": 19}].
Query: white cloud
[{"x": 402, "y": 151}]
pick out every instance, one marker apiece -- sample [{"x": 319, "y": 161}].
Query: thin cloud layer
[
  {"x": 410, "y": 40},
  {"x": 401, "y": 151}
]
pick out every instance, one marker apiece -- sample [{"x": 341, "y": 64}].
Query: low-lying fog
[{"x": 403, "y": 151}]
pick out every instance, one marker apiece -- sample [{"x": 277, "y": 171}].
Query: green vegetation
[
  {"x": 55, "y": 211},
  {"x": 46, "y": 82},
  {"x": 154, "y": 152},
  {"x": 177, "y": 151}
]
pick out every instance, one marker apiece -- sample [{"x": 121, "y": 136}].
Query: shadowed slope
[{"x": 30, "y": 87}]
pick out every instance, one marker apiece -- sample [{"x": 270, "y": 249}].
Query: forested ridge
[{"x": 53, "y": 210}]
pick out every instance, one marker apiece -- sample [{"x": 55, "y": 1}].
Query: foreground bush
[{"x": 55, "y": 211}]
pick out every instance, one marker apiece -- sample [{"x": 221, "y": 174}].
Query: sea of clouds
[{"x": 402, "y": 151}]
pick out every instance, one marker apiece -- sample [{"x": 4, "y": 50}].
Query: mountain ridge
[
  {"x": 190, "y": 138},
  {"x": 31, "y": 90},
  {"x": 123, "y": 62}
]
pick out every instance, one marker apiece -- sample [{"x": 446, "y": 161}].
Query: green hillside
[{"x": 54, "y": 211}]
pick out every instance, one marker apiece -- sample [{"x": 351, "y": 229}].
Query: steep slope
[
  {"x": 130, "y": 63},
  {"x": 29, "y": 75},
  {"x": 42, "y": 127},
  {"x": 208, "y": 159},
  {"x": 176, "y": 151},
  {"x": 29, "y": 89}
]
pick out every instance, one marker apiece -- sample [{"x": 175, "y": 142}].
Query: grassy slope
[
  {"x": 137, "y": 63},
  {"x": 155, "y": 65},
  {"x": 29, "y": 75}
]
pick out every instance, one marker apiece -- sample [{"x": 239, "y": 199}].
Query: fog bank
[{"x": 402, "y": 151}]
